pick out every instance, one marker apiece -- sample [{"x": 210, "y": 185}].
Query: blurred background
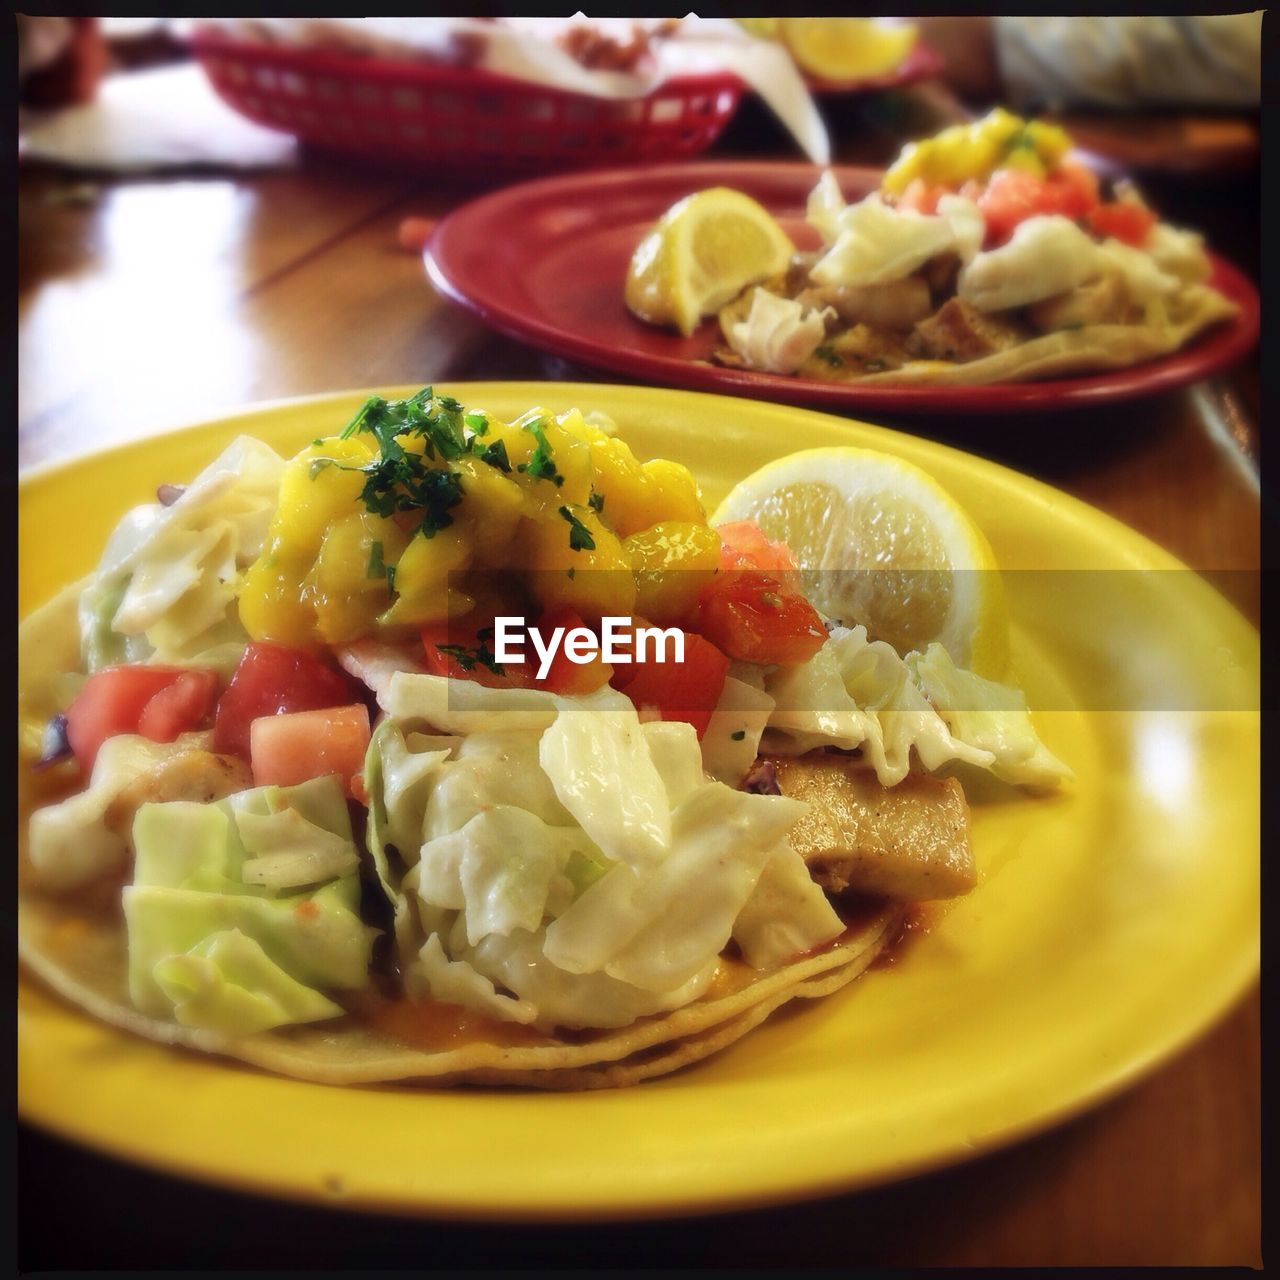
[
  {"x": 259, "y": 177},
  {"x": 216, "y": 212}
]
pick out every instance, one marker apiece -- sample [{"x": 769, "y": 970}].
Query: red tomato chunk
[
  {"x": 752, "y": 617},
  {"x": 687, "y": 690},
  {"x": 179, "y": 706},
  {"x": 297, "y": 746},
  {"x": 158, "y": 702},
  {"x": 274, "y": 680},
  {"x": 744, "y": 546},
  {"x": 1128, "y": 222},
  {"x": 1012, "y": 196}
]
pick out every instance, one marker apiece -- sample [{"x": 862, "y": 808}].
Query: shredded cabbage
[
  {"x": 988, "y": 716},
  {"x": 787, "y": 913},
  {"x": 222, "y": 935},
  {"x": 594, "y": 745},
  {"x": 779, "y": 334},
  {"x": 1046, "y": 255},
  {"x": 732, "y": 740},
  {"x": 858, "y": 693},
  {"x": 1179, "y": 252},
  {"x": 1143, "y": 276},
  {"x": 824, "y": 207},
  {"x": 165, "y": 587},
  {"x": 463, "y": 706},
  {"x": 537, "y": 888},
  {"x": 878, "y": 244},
  {"x": 228, "y": 983}
]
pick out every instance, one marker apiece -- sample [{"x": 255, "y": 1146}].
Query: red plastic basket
[{"x": 464, "y": 118}]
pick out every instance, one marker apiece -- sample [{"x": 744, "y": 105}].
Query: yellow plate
[{"x": 1111, "y": 924}]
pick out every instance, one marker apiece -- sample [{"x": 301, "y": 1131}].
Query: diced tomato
[
  {"x": 921, "y": 196},
  {"x": 744, "y": 546},
  {"x": 1080, "y": 179},
  {"x": 1013, "y": 195},
  {"x": 297, "y": 746},
  {"x": 115, "y": 700},
  {"x": 1125, "y": 220},
  {"x": 179, "y": 707},
  {"x": 564, "y": 675},
  {"x": 687, "y": 690},
  {"x": 273, "y": 680},
  {"x": 452, "y": 648},
  {"x": 753, "y": 617}
]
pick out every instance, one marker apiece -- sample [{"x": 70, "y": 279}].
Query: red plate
[{"x": 545, "y": 262}]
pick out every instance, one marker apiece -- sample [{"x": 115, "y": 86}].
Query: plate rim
[
  {"x": 1232, "y": 981},
  {"x": 1229, "y": 344}
]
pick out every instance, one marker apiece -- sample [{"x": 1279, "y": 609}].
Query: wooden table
[{"x": 145, "y": 304}]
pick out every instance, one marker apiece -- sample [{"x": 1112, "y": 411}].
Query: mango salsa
[
  {"x": 407, "y": 517},
  {"x": 964, "y": 152}
]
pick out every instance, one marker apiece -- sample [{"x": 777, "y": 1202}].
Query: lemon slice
[
  {"x": 701, "y": 254},
  {"x": 846, "y": 48},
  {"x": 881, "y": 543}
]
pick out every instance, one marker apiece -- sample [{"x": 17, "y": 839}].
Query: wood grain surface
[{"x": 148, "y": 303}]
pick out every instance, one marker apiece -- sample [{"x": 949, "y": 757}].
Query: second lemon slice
[
  {"x": 881, "y": 543},
  {"x": 846, "y": 48},
  {"x": 701, "y": 254}
]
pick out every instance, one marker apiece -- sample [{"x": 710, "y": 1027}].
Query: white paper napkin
[{"x": 147, "y": 120}]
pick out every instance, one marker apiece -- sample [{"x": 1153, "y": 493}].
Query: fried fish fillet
[
  {"x": 960, "y": 332},
  {"x": 909, "y": 842}
]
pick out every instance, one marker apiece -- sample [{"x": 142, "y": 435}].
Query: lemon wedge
[
  {"x": 881, "y": 543},
  {"x": 701, "y": 254},
  {"x": 846, "y": 48}
]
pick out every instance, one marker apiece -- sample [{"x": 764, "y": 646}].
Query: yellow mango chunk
[
  {"x": 348, "y": 582},
  {"x": 672, "y": 561},
  {"x": 426, "y": 578},
  {"x": 273, "y": 606},
  {"x": 675, "y": 493},
  {"x": 593, "y": 580}
]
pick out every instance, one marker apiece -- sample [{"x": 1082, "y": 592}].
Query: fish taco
[
  {"x": 288, "y": 798},
  {"x": 987, "y": 254}
]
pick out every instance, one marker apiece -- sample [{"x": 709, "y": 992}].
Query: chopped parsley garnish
[
  {"x": 399, "y": 479},
  {"x": 738, "y": 737},
  {"x": 830, "y": 355},
  {"x": 378, "y": 568},
  {"x": 596, "y": 502},
  {"x": 436, "y": 420},
  {"x": 478, "y": 423},
  {"x": 541, "y": 464},
  {"x": 437, "y": 492},
  {"x": 469, "y": 659},
  {"x": 570, "y": 574},
  {"x": 580, "y": 538},
  {"x": 495, "y": 454}
]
